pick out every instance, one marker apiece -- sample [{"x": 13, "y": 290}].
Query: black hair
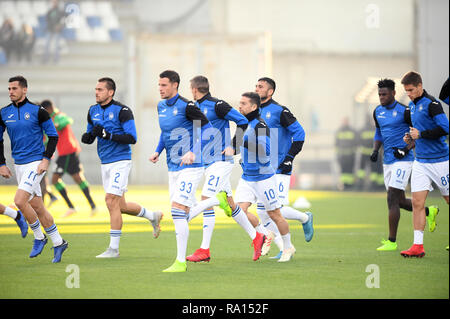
[
  {"x": 201, "y": 83},
  {"x": 412, "y": 77},
  {"x": 386, "y": 83},
  {"x": 22, "y": 81},
  {"x": 171, "y": 75},
  {"x": 110, "y": 84},
  {"x": 46, "y": 104},
  {"x": 254, "y": 98},
  {"x": 270, "y": 82}
]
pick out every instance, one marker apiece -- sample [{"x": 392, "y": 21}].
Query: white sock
[
  {"x": 241, "y": 218},
  {"x": 279, "y": 242},
  {"x": 209, "y": 220},
  {"x": 146, "y": 214},
  {"x": 418, "y": 237},
  {"x": 37, "y": 231},
  {"x": 292, "y": 213},
  {"x": 261, "y": 229},
  {"x": 181, "y": 232},
  {"x": 201, "y": 206},
  {"x": 54, "y": 235},
  {"x": 287, "y": 241},
  {"x": 266, "y": 221},
  {"x": 10, "y": 212},
  {"x": 114, "y": 238}
]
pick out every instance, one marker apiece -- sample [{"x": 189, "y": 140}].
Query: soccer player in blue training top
[
  {"x": 218, "y": 165},
  {"x": 428, "y": 131},
  {"x": 181, "y": 123},
  {"x": 258, "y": 183},
  {"x": 392, "y": 122},
  {"x": 112, "y": 124},
  {"x": 25, "y": 123},
  {"x": 16, "y": 215},
  {"x": 288, "y": 136}
]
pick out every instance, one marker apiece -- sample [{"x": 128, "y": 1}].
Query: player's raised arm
[
  {"x": 227, "y": 112},
  {"x": 288, "y": 120},
  {"x": 126, "y": 118},
  {"x": 445, "y": 91},
  {"x": 2, "y": 147},
  {"x": 88, "y": 137},
  {"x": 194, "y": 114},
  {"x": 161, "y": 146},
  {"x": 377, "y": 140},
  {"x": 436, "y": 112},
  {"x": 4, "y": 170},
  {"x": 47, "y": 125}
]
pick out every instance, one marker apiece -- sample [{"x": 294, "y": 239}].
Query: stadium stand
[
  {"x": 92, "y": 21},
  {"x": 91, "y": 49}
]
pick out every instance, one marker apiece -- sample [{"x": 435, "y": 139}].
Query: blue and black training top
[{"x": 26, "y": 123}]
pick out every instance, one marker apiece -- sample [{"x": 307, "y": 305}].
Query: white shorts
[
  {"x": 115, "y": 177},
  {"x": 424, "y": 174},
  {"x": 217, "y": 179},
  {"x": 183, "y": 185},
  {"x": 283, "y": 185},
  {"x": 28, "y": 179},
  {"x": 397, "y": 174},
  {"x": 264, "y": 192}
]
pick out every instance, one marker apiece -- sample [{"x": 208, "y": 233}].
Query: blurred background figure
[
  {"x": 7, "y": 38},
  {"x": 55, "y": 25},
  {"x": 369, "y": 174},
  {"x": 47, "y": 190},
  {"x": 346, "y": 142},
  {"x": 25, "y": 42}
]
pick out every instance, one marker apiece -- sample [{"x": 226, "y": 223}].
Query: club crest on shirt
[
  {"x": 394, "y": 114},
  {"x": 175, "y": 111},
  {"x": 27, "y": 116},
  {"x": 111, "y": 115},
  {"x": 268, "y": 115}
]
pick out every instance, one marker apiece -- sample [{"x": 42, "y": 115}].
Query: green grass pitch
[{"x": 348, "y": 229}]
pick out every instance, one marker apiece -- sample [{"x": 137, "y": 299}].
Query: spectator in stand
[
  {"x": 25, "y": 42},
  {"x": 55, "y": 24},
  {"x": 7, "y": 38}
]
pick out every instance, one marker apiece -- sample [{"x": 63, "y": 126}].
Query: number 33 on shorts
[{"x": 185, "y": 187}]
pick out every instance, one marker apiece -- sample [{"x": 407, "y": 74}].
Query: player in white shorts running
[
  {"x": 218, "y": 166},
  {"x": 112, "y": 125},
  {"x": 428, "y": 131},
  {"x": 258, "y": 181},
  {"x": 25, "y": 123},
  {"x": 177, "y": 119},
  {"x": 392, "y": 121},
  {"x": 288, "y": 136}
]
